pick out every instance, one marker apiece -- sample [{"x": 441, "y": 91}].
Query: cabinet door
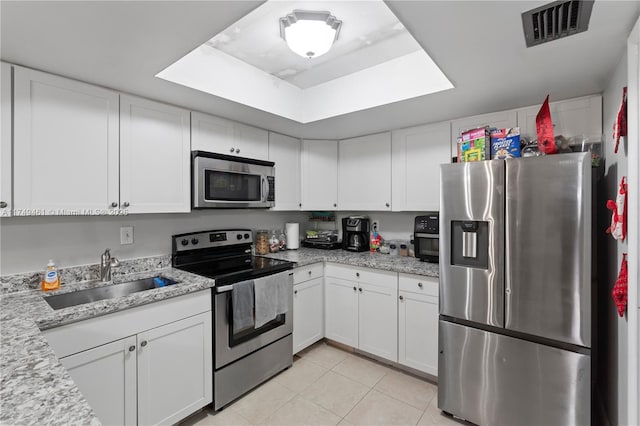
[
  {"x": 106, "y": 376},
  {"x": 284, "y": 151},
  {"x": 499, "y": 120},
  {"x": 572, "y": 117},
  {"x": 251, "y": 142},
  {"x": 65, "y": 144},
  {"x": 378, "y": 320},
  {"x": 418, "y": 332},
  {"x": 6, "y": 200},
  {"x": 416, "y": 156},
  {"x": 364, "y": 173},
  {"x": 341, "y": 311},
  {"x": 319, "y": 175},
  {"x": 155, "y": 171},
  {"x": 212, "y": 134},
  {"x": 308, "y": 314},
  {"x": 175, "y": 370}
]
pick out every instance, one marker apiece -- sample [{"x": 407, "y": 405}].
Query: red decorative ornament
[
  {"x": 620, "y": 291},
  {"x": 544, "y": 129},
  {"x": 620, "y": 125}
]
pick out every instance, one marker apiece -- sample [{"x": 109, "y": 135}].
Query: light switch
[{"x": 126, "y": 235}]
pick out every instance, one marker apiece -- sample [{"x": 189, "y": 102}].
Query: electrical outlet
[
  {"x": 375, "y": 225},
  {"x": 126, "y": 235}
]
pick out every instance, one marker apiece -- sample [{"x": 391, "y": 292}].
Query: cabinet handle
[
  {"x": 144, "y": 343},
  {"x": 114, "y": 204},
  {"x": 232, "y": 149},
  {"x": 354, "y": 288},
  {"x": 295, "y": 291},
  {"x": 132, "y": 348},
  {"x": 360, "y": 289},
  {"x": 335, "y": 205},
  {"x": 125, "y": 204},
  {"x": 300, "y": 205},
  {"x": 420, "y": 285},
  {"x": 357, "y": 274},
  {"x": 309, "y": 272},
  {"x": 237, "y": 150},
  {"x": 387, "y": 204},
  {"x": 401, "y": 297},
  {"x": 3, "y": 204}
]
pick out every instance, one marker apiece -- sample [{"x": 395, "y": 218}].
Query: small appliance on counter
[
  {"x": 355, "y": 233},
  {"x": 427, "y": 237},
  {"x": 326, "y": 240}
]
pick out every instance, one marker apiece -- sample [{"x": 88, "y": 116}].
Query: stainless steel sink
[{"x": 81, "y": 297}]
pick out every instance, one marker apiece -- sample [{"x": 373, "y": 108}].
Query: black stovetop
[{"x": 256, "y": 267}]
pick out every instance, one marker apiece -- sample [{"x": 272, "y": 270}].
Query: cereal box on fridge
[
  {"x": 505, "y": 143},
  {"x": 475, "y": 145}
]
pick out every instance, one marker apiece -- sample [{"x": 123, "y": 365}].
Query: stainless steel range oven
[{"x": 243, "y": 356}]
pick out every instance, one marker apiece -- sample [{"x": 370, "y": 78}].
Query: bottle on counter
[
  {"x": 274, "y": 242},
  {"x": 51, "y": 280},
  {"x": 283, "y": 240}
]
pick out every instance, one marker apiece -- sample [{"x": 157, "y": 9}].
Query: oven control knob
[
  {"x": 184, "y": 242},
  {"x": 239, "y": 236},
  {"x": 246, "y": 236},
  {"x": 194, "y": 241}
]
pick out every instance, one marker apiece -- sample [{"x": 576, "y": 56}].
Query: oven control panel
[{"x": 207, "y": 239}]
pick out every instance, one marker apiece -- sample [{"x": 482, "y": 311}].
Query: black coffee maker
[{"x": 355, "y": 233}]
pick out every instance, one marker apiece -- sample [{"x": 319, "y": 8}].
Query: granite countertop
[
  {"x": 365, "y": 259},
  {"x": 34, "y": 386}
]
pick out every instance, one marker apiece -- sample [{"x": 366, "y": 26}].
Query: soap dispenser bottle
[{"x": 51, "y": 279}]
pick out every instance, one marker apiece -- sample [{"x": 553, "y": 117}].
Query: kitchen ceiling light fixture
[{"x": 309, "y": 34}]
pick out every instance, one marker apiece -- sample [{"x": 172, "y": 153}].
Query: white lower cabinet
[
  {"x": 362, "y": 309},
  {"x": 418, "y": 323},
  {"x": 308, "y": 305},
  {"x": 159, "y": 374},
  {"x": 341, "y": 311},
  {"x": 106, "y": 376}
]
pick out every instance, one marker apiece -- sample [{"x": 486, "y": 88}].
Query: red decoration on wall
[
  {"x": 544, "y": 129},
  {"x": 620, "y": 290},
  {"x": 620, "y": 125},
  {"x": 618, "y": 228}
]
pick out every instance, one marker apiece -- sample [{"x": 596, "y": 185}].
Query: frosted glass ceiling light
[{"x": 309, "y": 34}]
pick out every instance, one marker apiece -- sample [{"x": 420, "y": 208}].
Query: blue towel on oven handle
[{"x": 243, "y": 303}]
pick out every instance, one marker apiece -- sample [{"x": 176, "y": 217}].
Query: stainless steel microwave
[{"x": 224, "y": 181}]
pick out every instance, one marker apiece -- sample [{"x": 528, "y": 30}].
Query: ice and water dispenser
[{"x": 470, "y": 243}]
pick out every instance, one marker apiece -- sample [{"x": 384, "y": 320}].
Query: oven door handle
[{"x": 224, "y": 288}]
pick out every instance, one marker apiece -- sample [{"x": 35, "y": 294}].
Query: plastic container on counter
[{"x": 262, "y": 241}]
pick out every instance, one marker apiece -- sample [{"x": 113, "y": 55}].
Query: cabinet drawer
[
  {"x": 362, "y": 275},
  {"x": 309, "y": 272},
  {"x": 418, "y": 284}
]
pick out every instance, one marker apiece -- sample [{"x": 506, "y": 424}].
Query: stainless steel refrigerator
[{"x": 515, "y": 291}]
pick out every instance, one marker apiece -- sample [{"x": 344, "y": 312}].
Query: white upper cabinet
[
  {"x": 319, "y": 175},
  {"x": 572, "y": 117},
  {"x": 284, "y": 151},
  {"x": 65, "y": 144},
  {"x": 155, "y": 173},
  {"x": 499, "y": 120},
  {"x": 416, "y": 155},
  {"x": 215, "y": 134},
  {"x": 364, "y": 173},
  {"x": 6, "y": 197}
]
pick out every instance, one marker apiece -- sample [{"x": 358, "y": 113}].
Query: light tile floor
[{"x": 329, "y": 386}]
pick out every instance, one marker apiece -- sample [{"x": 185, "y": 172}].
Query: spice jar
[
  {"x": 274, "y": 243},
  {"x": 262, "y": 242}
]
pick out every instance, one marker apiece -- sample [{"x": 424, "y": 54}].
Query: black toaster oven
[{"x": 426, "y": 237}]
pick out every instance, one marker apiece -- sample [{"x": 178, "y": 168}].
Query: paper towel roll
[{"x": 292, "y": 231}]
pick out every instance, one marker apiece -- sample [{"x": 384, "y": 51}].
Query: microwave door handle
[{"x": 265, "y": 189}]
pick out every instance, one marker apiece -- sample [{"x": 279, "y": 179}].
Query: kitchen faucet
[{"x": 106, "y": 262}]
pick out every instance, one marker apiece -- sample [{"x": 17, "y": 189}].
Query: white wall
[
  {"x": 26, "y": 243},
  {"x": 612, "y": 328}
]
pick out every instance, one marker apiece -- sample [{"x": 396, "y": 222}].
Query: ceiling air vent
[{"x": 556, "y": 20}]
